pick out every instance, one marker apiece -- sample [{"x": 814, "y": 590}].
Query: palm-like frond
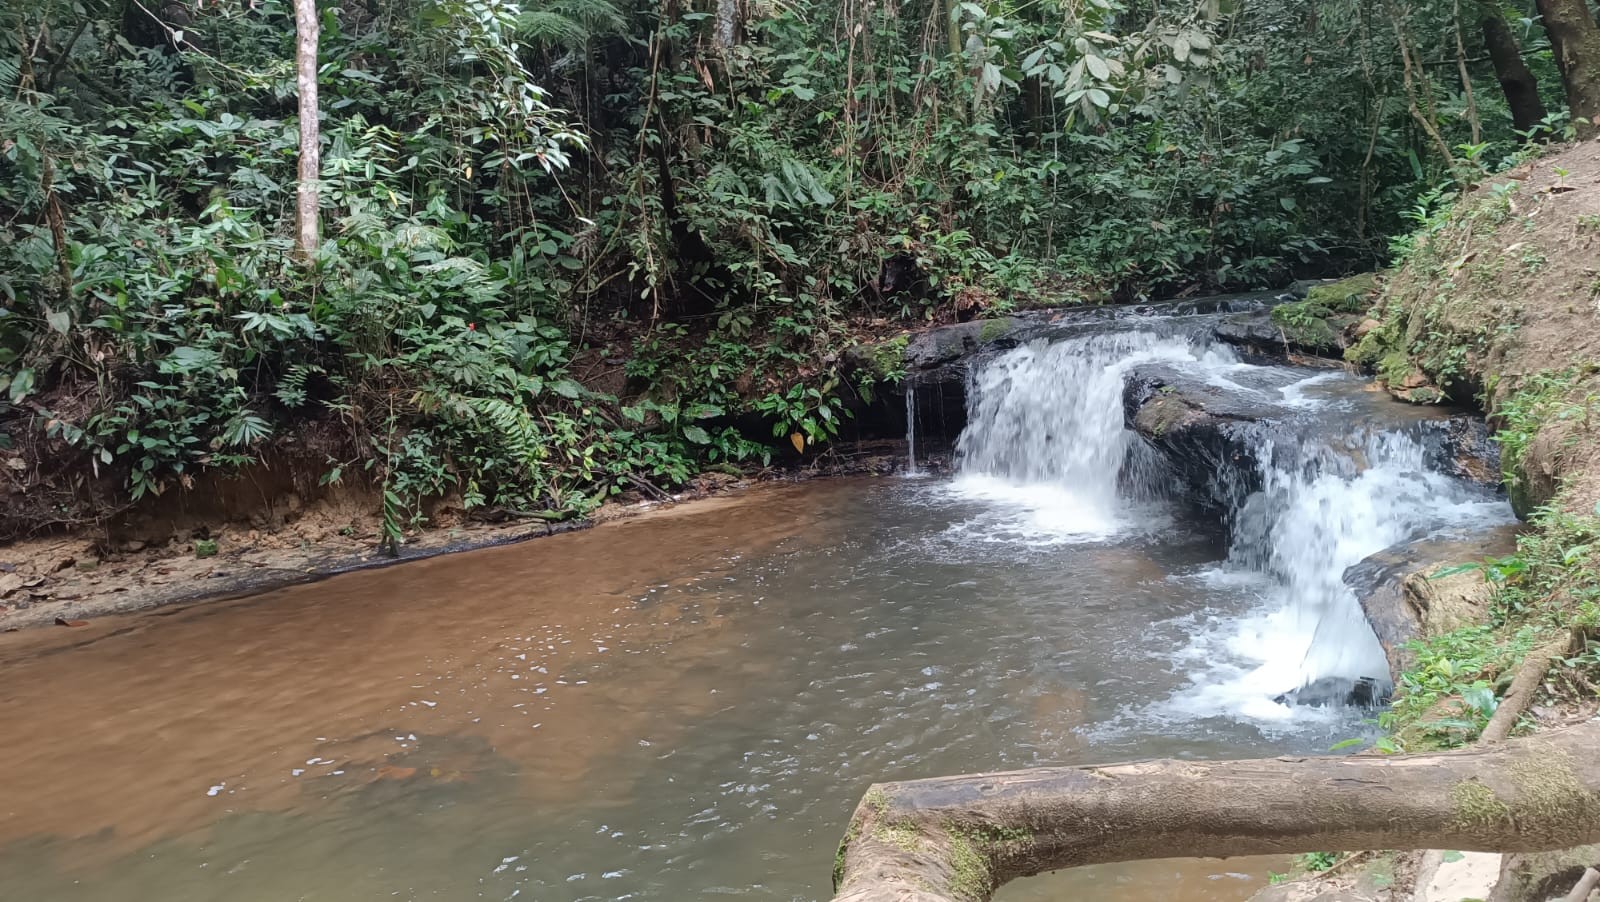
[{"x": 569, "y": 23}]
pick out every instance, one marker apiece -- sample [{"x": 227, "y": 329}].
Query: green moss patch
[{"x": 1352, "y": 295}]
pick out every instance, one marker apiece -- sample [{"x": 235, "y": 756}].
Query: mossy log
[{"x": 957, "y": 839}]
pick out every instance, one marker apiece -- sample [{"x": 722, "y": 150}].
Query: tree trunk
[
  {"x": 952, "y": 25},
  {"x": 727, "y": 25},
  {"x": 957, "y": 839},
  {"x": 1516, "y": 80},
  {"x": 307, "y": 195},
  {"x": 1576, "y": 41}
]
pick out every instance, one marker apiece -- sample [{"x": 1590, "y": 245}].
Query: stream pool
[{"x": 688, "y": 704}]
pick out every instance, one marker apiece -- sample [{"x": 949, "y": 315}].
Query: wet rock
[
  {"x": 1407, "y": 591},
  {"x": 1288, "y": 329},
  {"x": 1300, "y": 288},
  {"x": 1253, "y": 334},
  {"x": 1320, "y": 324},
  {"x": 938, "y": 348},
  {"x": 1209, "y": 436},
  {"x": 934, "y": 363},
  {"x": 1464, "y": 447},
  {"x": 1336, "y": 692}
]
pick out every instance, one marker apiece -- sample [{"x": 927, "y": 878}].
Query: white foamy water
[
  {"x": 1317, "y": 514},
  {"x": 1046, "y": 448},
  {"x": 1045, "y": 435}
]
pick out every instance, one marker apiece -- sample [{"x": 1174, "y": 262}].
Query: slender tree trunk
[
  {"x": 1466, "y": 77},
  {"x": 308, "y": 195},
  {"x": 952, "y": 25},
  {"x": 727, "y": 28},
  {"x": 1516, "y": 80},
  {"x": 1576, "y": 41},
  {"x": 957, "y": 839},
  {"x": 1420, "y": 96}
]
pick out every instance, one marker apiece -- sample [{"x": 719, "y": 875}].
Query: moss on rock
[
  {"x": 994, "y": 329},
  {"x": 1352, "y": 295}
]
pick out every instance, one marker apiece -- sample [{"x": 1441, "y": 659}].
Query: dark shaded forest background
[{"x": 575, "y": 247}]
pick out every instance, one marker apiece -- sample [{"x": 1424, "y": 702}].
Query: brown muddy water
[{"x": 682, "y": 706}]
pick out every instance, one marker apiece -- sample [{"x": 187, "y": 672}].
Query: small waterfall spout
[{"x": 911, "y": 428}]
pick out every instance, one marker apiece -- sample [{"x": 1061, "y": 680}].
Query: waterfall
[
  {"x": 911, "y": 428},
  {"x": 1045, "y": 429},
  {"x": 1046, "y": 433}
]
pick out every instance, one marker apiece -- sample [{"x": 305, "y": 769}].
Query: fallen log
[{"x": 957, "y": 839}]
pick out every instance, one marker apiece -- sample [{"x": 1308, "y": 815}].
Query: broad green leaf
[{"x": 21, "y": 384}]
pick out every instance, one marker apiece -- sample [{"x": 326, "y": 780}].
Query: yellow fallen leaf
[{"x": 798, "y": 441}]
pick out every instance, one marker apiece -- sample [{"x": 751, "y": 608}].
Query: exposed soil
[
  {"x": 1508, "y": 289},
  {"x": 231, "y": 536}
]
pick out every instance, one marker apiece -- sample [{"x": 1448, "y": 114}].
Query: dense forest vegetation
[{"x": 579, "y": 246}]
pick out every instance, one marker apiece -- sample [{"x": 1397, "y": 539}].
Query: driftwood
[{"x": 957, "y": 839}]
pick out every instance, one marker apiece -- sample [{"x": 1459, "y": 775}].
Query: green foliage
[
  {"x": 515, "y": 192},
  {"x": 1446, "y": 698},
  {"x": 1543, "y": 399},
  {"x": 1553, "y": 579},
  {"x": 1317, "y": 861}
]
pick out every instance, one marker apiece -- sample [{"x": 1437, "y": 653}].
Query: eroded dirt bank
[{"x": 228, "y": 537}]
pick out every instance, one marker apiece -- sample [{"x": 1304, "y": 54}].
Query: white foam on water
[
  {"x": 1315, "y": 517},
  {"x": 1294, "y": 394},
  {"x": 1045, "y": 442},
  {"x": 1046, "y": 454}
]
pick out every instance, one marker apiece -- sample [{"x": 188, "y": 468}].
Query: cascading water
[
  {"x": 1046, "y": 434},
  {"x": 911, "y": 428},
  {"x": 1321, "y": 509},
  {"x": 1045, "y": 431}
]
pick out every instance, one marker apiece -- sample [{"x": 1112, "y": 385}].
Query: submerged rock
[{"x": 1336, "y": 692}]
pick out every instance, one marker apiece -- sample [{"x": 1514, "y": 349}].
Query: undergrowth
[{"x": 1549, "y": 587}]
